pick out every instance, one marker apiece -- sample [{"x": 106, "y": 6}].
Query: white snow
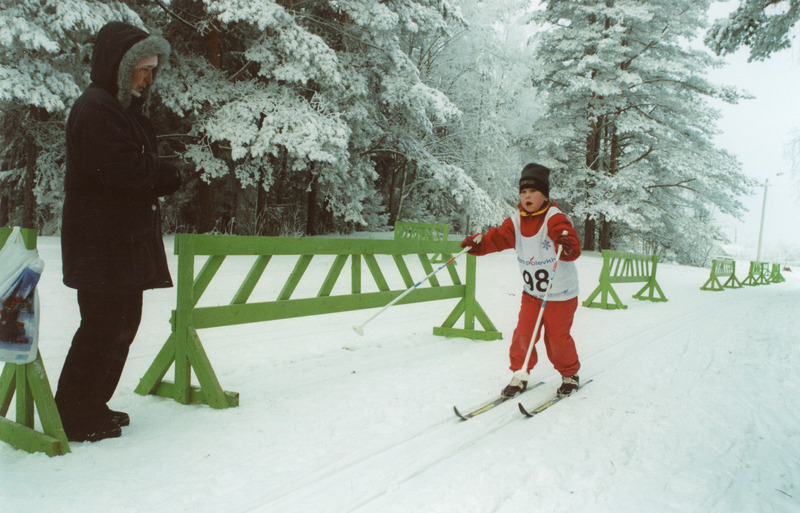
[{"x": 694, "y": 407}]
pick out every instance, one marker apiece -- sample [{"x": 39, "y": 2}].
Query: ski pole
[
  {"x": 360, "y": 328},
  {"x": 522, "y": 374}
]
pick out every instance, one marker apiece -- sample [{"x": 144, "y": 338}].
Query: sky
[{"x": 759, "y": 132}]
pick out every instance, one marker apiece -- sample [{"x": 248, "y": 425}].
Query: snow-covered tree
[
  {"x": 764, "y": 26},
  {"x": 628, "y": 127},
  {"x": 44, "y": 51},
  {"x": 484, "y": 69},
  {"x": 320, "y": 105},
  {"x": 313, "y": 111}
]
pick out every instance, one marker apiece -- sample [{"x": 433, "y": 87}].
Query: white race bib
[{"x": 536, "y": 256}]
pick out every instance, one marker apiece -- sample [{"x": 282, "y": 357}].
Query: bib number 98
[{"x": 538, "y": 281}]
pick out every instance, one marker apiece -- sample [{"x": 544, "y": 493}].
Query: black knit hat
[{"x": 536, "y": 177}]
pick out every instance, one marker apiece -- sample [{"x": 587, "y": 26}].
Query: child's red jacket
[{"x": 503, "y": 237}]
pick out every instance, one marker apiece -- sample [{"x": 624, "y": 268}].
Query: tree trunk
[
  {"x": 589, "y": 237},
  {"x": 311, "y": 206},
  {"x": 29, "y": 182},
  {"x": 4, "y": 213},
  {"x": 593, "y": 140},
  {"x": 606, "y": 226},
  {"x": 207, "y": 192},
  {"x": 606, "y": 233},
  {"x": 261, "y": 221}
]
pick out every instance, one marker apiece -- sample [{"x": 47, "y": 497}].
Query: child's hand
[
  {"x": 565, "y": 243},
  {"x": 472, "y": 242}
]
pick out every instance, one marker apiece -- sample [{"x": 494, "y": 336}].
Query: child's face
[{"x": 531, "y": 199}]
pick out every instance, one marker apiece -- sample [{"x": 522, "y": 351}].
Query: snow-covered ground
[{"x": 694, "y": 407}]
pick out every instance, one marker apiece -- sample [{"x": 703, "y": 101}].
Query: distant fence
[
  {"x": 32, "y": 389},
  {"x": 776, "y": 276},
  {"x": 758, "y": 274},
  {"x": 619, "y": 267},
  {"x": 720, "y": 268},
  {"x": 184, "y": 349}
]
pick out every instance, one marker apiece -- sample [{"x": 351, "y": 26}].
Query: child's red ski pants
[{"x": 556, "y": 323}]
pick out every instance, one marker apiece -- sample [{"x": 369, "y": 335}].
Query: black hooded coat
[{"x": 111, "y": 237}]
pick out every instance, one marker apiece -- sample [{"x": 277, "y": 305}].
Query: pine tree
[
  {"x": 764, "y": 26},
  {"x": 321, "y": 106},
  {"x": 483, "y": 69},
  {"x": 44, "y": 51},
  {"x": 628, "y": 126}
]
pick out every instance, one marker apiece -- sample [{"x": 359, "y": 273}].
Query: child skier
[{"x": 534, "y": 231}]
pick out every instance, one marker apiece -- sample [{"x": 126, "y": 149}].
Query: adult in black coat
[{"x": 111, "y": 239}]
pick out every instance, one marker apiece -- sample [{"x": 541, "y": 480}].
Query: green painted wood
[
  {"x": 230, "y": 315},
  {"x": 196, "y": 394},
  {"x": 30, "y": 440},
  {"x": 400, "y": 262},
  {"x": 776, "y": 276},
  {"x": 213, "y": 395},
  {"x": 186, "y": 300},
  {"x": 49, "y": 416},
  {"x": 206, "y": 274},
  {"x": 423, "y": 231},
  {"x": 8, "y": 385},
  {"x": 28, "y": 236},
  {"x": 621, "y": 267},
  {"x": 355, "y": 274},
  {"x": 24, "y": 400},
  {"x": 159, "y": 368},
  {"x": 251, "y": 280},
  {"x": 28, "y": 386},
  {"x": 294, "y": 278},
  {"x": 722, "y": 267},
  {"x": 375, "y": 271},
  {"x": 184, "y": 347},
  {"x": 758, "y": 274},
  {"x": 333, "y": 275}
]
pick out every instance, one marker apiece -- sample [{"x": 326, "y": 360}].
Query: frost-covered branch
[
  {"x": 681, "y": 184},
  {"x": 180, "y": 19}
]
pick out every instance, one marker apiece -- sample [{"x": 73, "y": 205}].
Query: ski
[
  {"x": 550, "y": 402},
  {"x": 491, "y": 404}
]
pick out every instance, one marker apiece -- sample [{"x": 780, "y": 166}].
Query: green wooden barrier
[
  {"x": 758, "y": 274},
  {"x": 423, "y": 231},
  {"x": 722, "y": 267},
  {"x": 619, "y": 267},
  {"x": 184, "y": 349},
  {"x": 776, "y": 276},
  {"x": 32, "y": 389}
]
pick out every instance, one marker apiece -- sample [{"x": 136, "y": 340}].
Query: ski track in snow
[{"x": 691, "y": 409}]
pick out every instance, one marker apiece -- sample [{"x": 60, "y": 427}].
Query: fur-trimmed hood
[{"x": 118, "y": 48}]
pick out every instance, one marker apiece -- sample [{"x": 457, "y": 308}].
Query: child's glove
[
  {"x": 565, "y": 242},
  {"x": 472, "y": 242}
]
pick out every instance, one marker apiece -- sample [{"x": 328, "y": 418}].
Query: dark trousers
[{"x": 98, "y": 353}]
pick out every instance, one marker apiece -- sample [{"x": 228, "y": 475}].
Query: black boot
[
  {"x": 90, "y": 428},
  {"x": 515, "y": 387},
  {"x": 569, "y": 384},
  {"x": 119, "y": 418}
]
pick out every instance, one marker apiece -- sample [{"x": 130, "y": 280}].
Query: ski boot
[
  {"x": 569, "y": 384},
  {"x": 515, "y": 387}
]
